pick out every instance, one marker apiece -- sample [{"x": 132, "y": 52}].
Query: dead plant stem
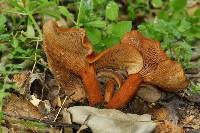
[
  {"x": 60, "y": 108},
  {"x": 35, "y": 57}
]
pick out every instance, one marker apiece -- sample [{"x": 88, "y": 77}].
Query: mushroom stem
[
  {"x": 126, "y": 92},
  {"x": 91, "y": 85},
  {"x": 109, "y": 91}
]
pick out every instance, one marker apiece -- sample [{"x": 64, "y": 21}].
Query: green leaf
[
  {"x": 99, "y": 1},
  {"x": 2, "y": 95},
  {"x": 112, "y": 10},
  {"x": 2, "y": 19},
  {"x": 183, "y": 52},
  {"x": 140, "y": 1},
  {"x": 15, "y": 43},
  {"x": 81, "y": 13},
  {"x": 197, "y": 12},
  {"x": 50, "y": 12},
  {"x": 2, "y": 70},
  {"x": 110, "y": 41},
  {"x": 4, "y": 37},
  {"x": 63, "y": 10},
  {"x": 86, "y": 13},
  {"x": 1, "y": 117},
  {"x": 178, "y": 4},
  {"x": 96, "y": 24},
  {"x": 30, "y": 33},
  {"x": 163, "y": 15},
  {"x": 120, "y": 28},
  {"x": 93, "y": 34},
  {"x": 99, "y": 47},
  {"x": 197, "y": 34},
  {"x": 184, "y": 25},
  {"x": 22, "y": 38},
  {"x": 2, "y": 23},
  {"x": 195, "y": 88},
  {"x": 2, "y": 48},
  {"x": 156, "y": 3},
  {"x": 131, "y": 10}
]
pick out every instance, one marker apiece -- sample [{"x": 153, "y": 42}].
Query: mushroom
[
  {"x": 67, "y": 50},
  {"x": 71, "y": 58},
  {"x": 157, "y": 69}
]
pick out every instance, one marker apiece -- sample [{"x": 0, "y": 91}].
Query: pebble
[{"x": 149, "y": 93}]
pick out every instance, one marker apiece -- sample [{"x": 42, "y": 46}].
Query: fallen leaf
[
  {"x": 168, "y": 127},
  {"x": 111, "y": 120},
  {"x": 17, "y": 106}
]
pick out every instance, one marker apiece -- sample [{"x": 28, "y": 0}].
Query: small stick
[
  {"x": 48, "y": 122},
  {"x": 84, "y": 125},
  {"x": 35, "y": 58},
  {"x": 60, "y": 108}
]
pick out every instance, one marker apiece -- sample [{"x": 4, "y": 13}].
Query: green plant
[
  {"x": 195, "y": 88},
  {"x": 3, "y": 37},
  {"x": 30, "y": 8},
  {"x": 20, "y": 36},
  {"x": 144, "y": 8},
  {"x": 25, "y": 33}
]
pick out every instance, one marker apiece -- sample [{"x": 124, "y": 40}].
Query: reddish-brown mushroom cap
[
  {"x": 70, "y": 83},
  {"x": 125, "y": 57},
  {"x": 151, "y": 52},
  {"x": 68, "y": 45},
  {"x": 168, "y": 75},
  {"x": 158, "y": 69}
]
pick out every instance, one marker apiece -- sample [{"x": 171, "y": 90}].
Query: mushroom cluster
[{"x": 76, "y": 66}]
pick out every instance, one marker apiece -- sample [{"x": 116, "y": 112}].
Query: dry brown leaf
[
  {"x": 17, "y": 106},
  {"x": 168, "y": 127}
]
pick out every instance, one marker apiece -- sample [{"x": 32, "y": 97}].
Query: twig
[
  {"x": 35, "y": 58},
  {"x": 60, "y": 108},
  {"x": 63, "y": 104},
  {"x": 84, "y": 125},
  {"x": 193, "y": 75},
  {"x": 48, "y": 122}
]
